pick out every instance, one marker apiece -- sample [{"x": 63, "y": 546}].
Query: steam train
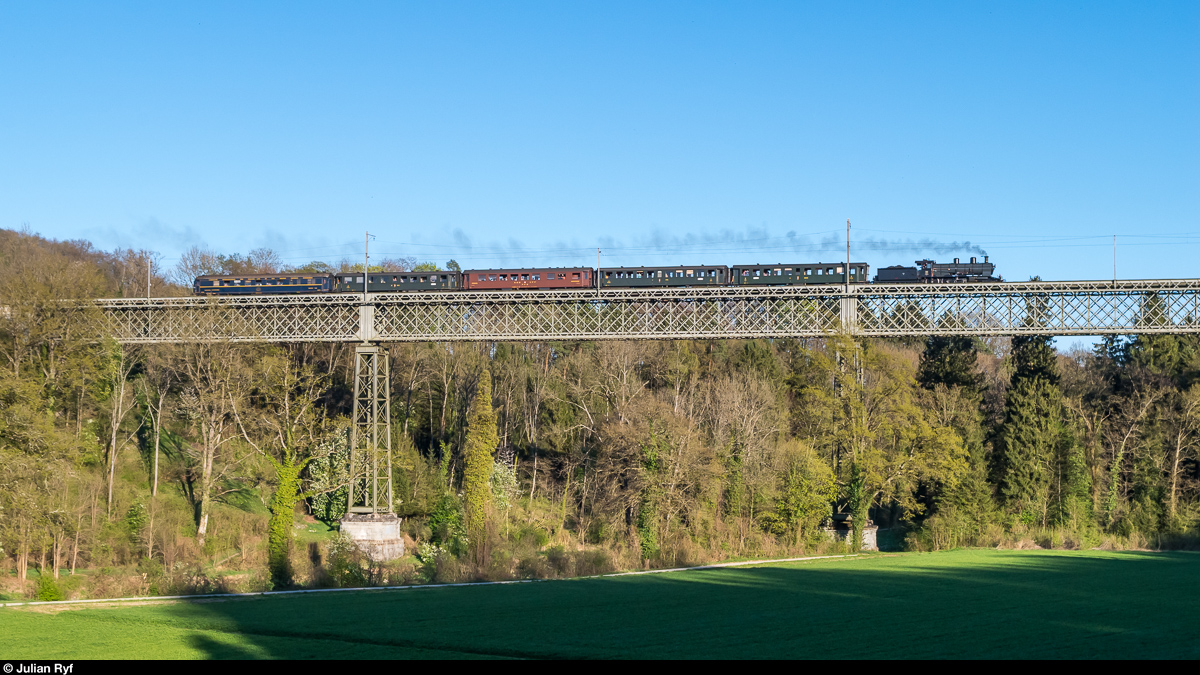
[{"x": 554, "y": 278}]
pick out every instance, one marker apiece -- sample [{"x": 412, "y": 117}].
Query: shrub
[
  {"x": 47, "y": 590},
  {"x": 347, "y": 565}
]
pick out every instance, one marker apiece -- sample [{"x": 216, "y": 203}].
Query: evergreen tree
[
  {"x": 1034, "y": 357},
  {"x": 971, "y": 498},
  {"x": 482, "y": 440},
  {"x": 1030, "y": 439},
  {"x": 949, "y": 360},
  {"x": 1166, "y": 355},
  {"x": 1031, "y": 427},
  {"x": 1071, "y": 488}
]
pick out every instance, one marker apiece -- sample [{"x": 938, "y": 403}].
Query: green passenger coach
[
  {"x": 781, "y": 274},
  {"x": 677, "y": 276}
]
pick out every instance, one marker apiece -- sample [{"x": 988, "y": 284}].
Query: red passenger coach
[{"x": 528, "y": 279}]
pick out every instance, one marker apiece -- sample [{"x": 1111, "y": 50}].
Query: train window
[
  {"x": 443, "y": 277},
  {"x": 394, "y": 280},
  {"x": 807, "y": 271},
  {"x": 828, "y": 270},
  {"x": 787, "y": 269},
  {"x": 358, "y": 280},
  {"x": 537, "y": 277},
  {"x": 691, "y": 273},
  {"x": 503, "y": 277},
  {"x": 524, "y": 277},
  {"x": 423, "y": 279},
  {"x": 839, "y": 269},
  {"x": 575, "y": 276},
  {"x": 491, "y": 277}
]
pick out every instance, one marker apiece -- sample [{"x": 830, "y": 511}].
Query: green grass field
[{"x": 974, "y": 604}]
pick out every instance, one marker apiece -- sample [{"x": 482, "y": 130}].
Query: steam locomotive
[
  {"x": 553, "y": 278},
  {"x": 930, "y": 272}
]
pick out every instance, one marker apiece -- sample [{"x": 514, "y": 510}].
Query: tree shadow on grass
[
  {"x": 219, "y": 649},
  {"x": 972, "y": 604}
]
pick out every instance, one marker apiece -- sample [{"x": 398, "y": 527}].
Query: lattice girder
[{"x": 1060, "y": 308}]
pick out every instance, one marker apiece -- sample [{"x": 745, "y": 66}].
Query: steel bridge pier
[{"x": 369, "y": 518}]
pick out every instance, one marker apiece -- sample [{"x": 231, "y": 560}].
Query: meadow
[{"x": 960, "y": 604}]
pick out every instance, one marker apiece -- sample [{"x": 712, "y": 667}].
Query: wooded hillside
[{"x": 187, "y": 468}]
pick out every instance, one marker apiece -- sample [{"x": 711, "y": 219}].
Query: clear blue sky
[{"x": 525, "y": 133}]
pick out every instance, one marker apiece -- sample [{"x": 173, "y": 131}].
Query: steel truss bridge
[
  {"x": 1055, "y": 308},
  {"x": 1049, "y": 307}
]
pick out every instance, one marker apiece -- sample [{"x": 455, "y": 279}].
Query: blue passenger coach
[{"x": 262, "y": 284}]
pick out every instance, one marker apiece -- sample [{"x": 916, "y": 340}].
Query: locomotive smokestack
[
  {"x": 956, "y": 261},
  {"x": 972, "y": 260},
  {"x": 985, "y": 258}
]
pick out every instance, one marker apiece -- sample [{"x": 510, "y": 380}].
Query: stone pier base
[
  {"x": 378, "y": 535},
  {"x": 843, "y": 531}
]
